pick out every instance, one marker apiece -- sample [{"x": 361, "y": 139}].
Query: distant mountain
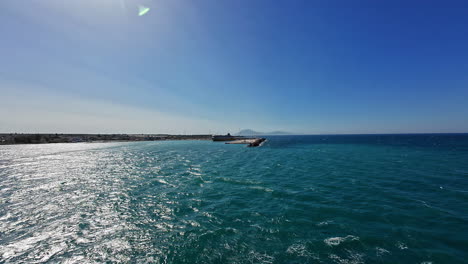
[{"x": 250, "y": 132}]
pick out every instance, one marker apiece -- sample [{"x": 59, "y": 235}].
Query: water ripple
[{"x": 202, "y": 202}]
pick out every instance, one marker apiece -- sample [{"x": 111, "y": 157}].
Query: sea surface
[{"x": 296, "y": 199}]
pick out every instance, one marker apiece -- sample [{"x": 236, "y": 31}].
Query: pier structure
[{"x": 251, "y": 142}]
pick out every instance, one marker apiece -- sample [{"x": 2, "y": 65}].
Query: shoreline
[{"x": 23, "y": 138}]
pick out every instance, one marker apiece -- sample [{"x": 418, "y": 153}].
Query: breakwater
[{"x": 250, "y": 142}]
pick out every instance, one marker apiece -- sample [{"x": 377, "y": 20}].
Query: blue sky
[{"x": 211, "y": 66}]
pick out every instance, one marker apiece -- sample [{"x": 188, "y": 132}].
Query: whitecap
[
  {"x": 335, "y": 241},
  {"x": 256, "y": 257},
  {"x": 195, "y": 173},
  {"x": 301, "y": 251},
  {"x": 354, "y": 258},
  {"x": 324, "y": 223},
  {"x": 162, "y": 181},
  {"x": 381, "y": 251},
  {"x": 401, "y": 245},
  {"x": 195, "y": 168}
]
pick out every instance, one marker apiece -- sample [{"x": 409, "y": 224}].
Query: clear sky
[{"x": 213, "y": 66}]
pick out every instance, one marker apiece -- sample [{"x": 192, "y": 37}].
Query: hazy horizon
[
  {"x": 212, "y": 67},
  {"x": 235, "y": 133}
]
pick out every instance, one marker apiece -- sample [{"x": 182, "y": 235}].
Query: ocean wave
[
  {"x": 335, "y": 241},
  {"x": 353, "y": 258},
  {"x": 162, "y": 181},
  {"x": 401, "y": 245},
  {"x": 256, "y": 257},
  {"x": 260, "y": 188},
  {"x": 195, "y": 173},
  {"x": 239, "y": 182},
  {"x": 325, "y": 223},
  {"x": 381, "y": 251},
  {"x": 300, "y": 250},
  {"x": 141, "y": 203}
]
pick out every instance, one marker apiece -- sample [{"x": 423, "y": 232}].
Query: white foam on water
[
  {"x": 301, "y": 251},
  {"x": 195, "y": 173},
  {"x": 401, "y": 245},
  {"x": 195, "y": 168},
  {"x": 324, "y": 223},
  {"x": 381, "y": 251},
  {"x": 164, "y": 182},
  {"x": 354, "y": 258},
  {"x": 257, "y": 257},
  {"x": 335, "y": 241}
]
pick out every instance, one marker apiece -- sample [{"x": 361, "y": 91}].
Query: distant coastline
[
  {"x": 38, "y": 138},
  {"x": 45, "y": 138},
  {"x": 250, "y": 132}
]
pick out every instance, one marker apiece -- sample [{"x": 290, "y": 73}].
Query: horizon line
[{"x": 289, "y": 134}]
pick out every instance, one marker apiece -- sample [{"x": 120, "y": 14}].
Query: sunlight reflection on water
[{"x": 185, "y": 202}]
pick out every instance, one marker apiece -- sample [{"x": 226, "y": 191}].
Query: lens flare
[{"x": 142, "y": 10}]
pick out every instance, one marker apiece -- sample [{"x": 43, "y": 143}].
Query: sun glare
[{"x": 142, "y": 10}]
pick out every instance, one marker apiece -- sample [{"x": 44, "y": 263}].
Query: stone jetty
[{"x": 251, "y": 142}]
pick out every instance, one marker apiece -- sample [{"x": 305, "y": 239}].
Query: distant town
[{"x": 23, "y": 138}]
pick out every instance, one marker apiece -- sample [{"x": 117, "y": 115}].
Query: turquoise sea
[{"x": 296, "y": 199}]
